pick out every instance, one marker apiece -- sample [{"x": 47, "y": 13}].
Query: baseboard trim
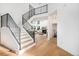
[{"x": 65, "y": 50}]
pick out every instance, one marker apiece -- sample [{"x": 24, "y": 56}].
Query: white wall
[
  {"x": 0, "y": 29},
  {"x": 52, "y": 13},
  {"x": 50, "y": 28},
  {"x": 68, "y": 28},
  {"x": 8, "y": 40},
  {"x": 16, "y": 10},
  {"x": 43, "y": 23}
]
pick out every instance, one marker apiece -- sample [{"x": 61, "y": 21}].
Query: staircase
[
  {"x": 26, "y": 40},
  {"x": 28, "y": 31},
  {"x": 25, "y": 36}
]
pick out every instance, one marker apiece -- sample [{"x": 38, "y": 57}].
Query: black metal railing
[
  {"x": 31, "y": 11},
  {"x": 41, "y": 10},
  {"x": 28, "y": 28},
  {"x": 8, "y": 21}
]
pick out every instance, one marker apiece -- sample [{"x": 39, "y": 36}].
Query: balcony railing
[{"x": 41, "y": 10}]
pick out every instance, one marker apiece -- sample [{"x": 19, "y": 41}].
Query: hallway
[{"x": 46, "y": 48}]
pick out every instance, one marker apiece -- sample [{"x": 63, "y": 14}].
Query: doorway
[{"x": 54, "y": 30}]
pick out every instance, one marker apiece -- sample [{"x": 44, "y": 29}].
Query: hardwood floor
[
  {"x": 43, "y": 47},
  {"x": 46, "y": 47},
  {"x": 6, "y": 52}
]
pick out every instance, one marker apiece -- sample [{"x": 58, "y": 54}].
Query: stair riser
[
  {"x": 24, "y": 37},
  {"x": 26, "y": 44},
  {"x": 25, "y": 41},
  {"x": 23, "y": 33}
]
